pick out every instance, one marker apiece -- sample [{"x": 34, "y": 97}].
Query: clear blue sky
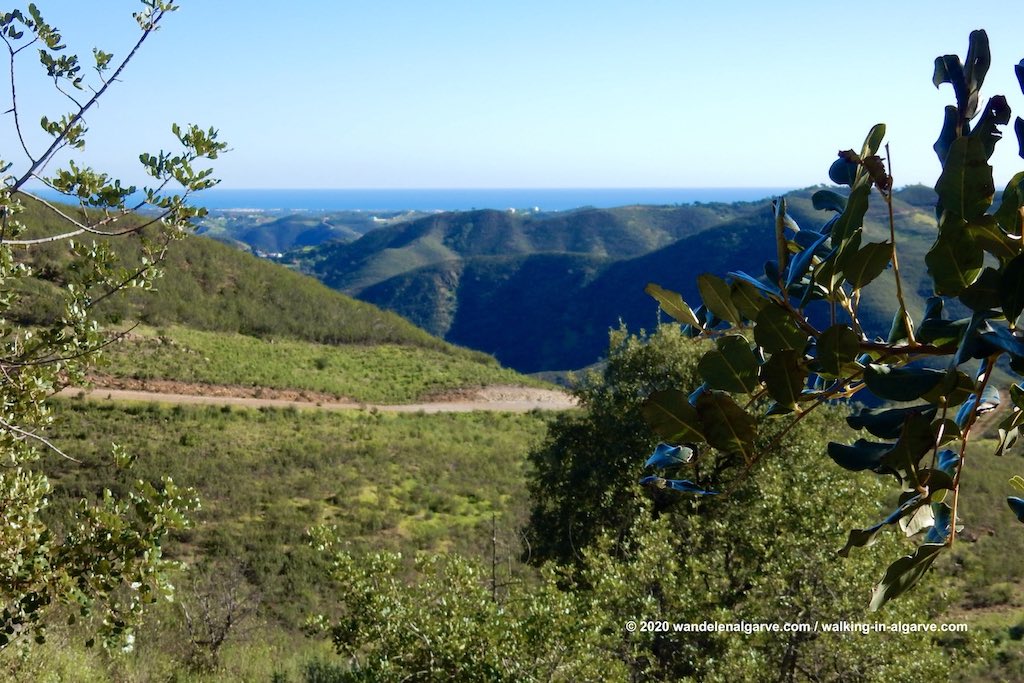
[{"x": 399, "y": 94}]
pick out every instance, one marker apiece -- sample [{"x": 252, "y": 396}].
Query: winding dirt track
[{"x": 497, "y": 399}]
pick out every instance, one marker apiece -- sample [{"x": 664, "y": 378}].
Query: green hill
[
  {"x": 606, "y": 233},
  {"x": 466, "y": 277},
  {"x": 222, "y": 316},
  {"x": 275, "y": 231},
  {"x": 210, "y": 286}
]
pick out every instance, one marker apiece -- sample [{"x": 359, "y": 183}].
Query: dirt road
[{"x": 498, "y": 399}]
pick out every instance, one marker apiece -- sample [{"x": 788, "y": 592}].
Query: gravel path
[{"x": 498, "y": 398}]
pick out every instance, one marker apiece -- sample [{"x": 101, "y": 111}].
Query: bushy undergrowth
[{"x": 384, "y": 373}]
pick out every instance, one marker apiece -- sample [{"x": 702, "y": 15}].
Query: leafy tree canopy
[
  {"x": 769, "y": 358},
  {"x": 104, "y": 562}
]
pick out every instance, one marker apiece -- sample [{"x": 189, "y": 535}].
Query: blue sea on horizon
[{"x": 545, "y": 199}]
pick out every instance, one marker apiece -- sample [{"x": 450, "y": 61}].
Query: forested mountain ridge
[
  {"x": 472, "y": 278},
  {"x": 610, "y": 233}
]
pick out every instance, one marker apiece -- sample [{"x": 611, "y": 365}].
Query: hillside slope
[
  {"x": 211, "y": 286},
  {"x": 603, "y": 233},
  {"x": 548, "y": 311}
]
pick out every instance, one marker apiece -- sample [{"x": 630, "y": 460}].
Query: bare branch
[{"x": 74, "y": 120}]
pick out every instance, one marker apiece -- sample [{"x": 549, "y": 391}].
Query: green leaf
[
  {"x": 1008, "y": 214},
  {"x": 673, "y": 304},
  {"x": 853, "y": 217},
  {"x": 887, "y": 423},
  {"x": 864, "y": 537},
  {"x": 983, "y": 294},
  {"x": 1011, "y": 290},
  {"x": 827, "y": 200},
  {"x": 731, "y": 367},
  {"x": 948, "y": 133},
  {"x": 837, "y": 347},
  {"x": 715, "y": 293},
  {"x": 904, "y": 573},
  {"x": 746, "y": 298},
  {"x": 868, "y": 263},
  {"x": 965, "y": 187},
  {"x": 873, "y": 141},
  {"x": 954, "y": 261},
  {"x": 997, "y": 113},
  {"x": 671, "y": 416},
  {"x": 916, "y": 438},
  {"x": 1017, "y": 505},
  {"x": 728, "y": 427},
  {"x": 977, "y": 63},
  {"x": 986, "y": 232},
  {"x": 785, "y": 377},
  {"x": 774, "y": 330},
  {"x": 954, "y": 389},
  {"x": 901, "y": 384},
  {"x": 862, "y": 455}
]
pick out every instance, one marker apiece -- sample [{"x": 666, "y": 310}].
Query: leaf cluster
[{"x": 770, "y": 358}]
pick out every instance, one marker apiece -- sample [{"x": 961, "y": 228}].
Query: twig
[{"x": 907, "y": 322}]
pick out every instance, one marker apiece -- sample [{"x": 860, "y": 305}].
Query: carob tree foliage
[
  {"x": 103, "y": 562},
  {"x": 772, "y": 355}
]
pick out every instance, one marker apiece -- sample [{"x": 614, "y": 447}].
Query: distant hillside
[
  {"x": 270, "y": 232},
  {"x": 211, "y": 286},
  {"x": 466, "y": 277},
  {"x": 449, "y": 237}
]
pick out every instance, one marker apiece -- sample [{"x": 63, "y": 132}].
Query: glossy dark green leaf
[
  {"x": 827, "y": 200},
  {"x": 965, "y": 186},
  {"x": 746, "y": 298},
  {"x": 1011, "y": 289},
  {"x": 948, "y": 133},
  {"x": 801, "y": 262},
  {"x": 784, "y": 377},
  {"x": 954, "y": 388},
  {"x": 728, "y": 427},
  {"x": 861, "y": 455},
  {"x": 955, "y": 260},
  {"x": 942, "y": 525},
  {"x": 774, "y": 330},
  {"x": 983, "y": 294},
  {"x": 769, "y": 287},
  {"x": 903, "y": 574},
  {"x": 868, "y": 263},
  {"x": 731, "y": 366},
  {"x": 948, "y": 461},
  {"x": 1017, "y": 505},
  {"x": 842, "y": 171},
  {"x": 970, "y": 343},
  {"x": 1018, "y": 129},
  {"x": 900, "y": 384},
  {"x": 887, "y": 423},
  {"x": 941, "y": 332},
  {"x": 987, "y": 234},
  {"x": 873, "y": 141},
  {"x": 673, "y": 304},
  {"x": 977, "y": 62},
  {"x": 1019, "y": 70},
  {"x": 858, "y": 538},
  {"x": 1007, "y": 216},
  {"x": 899, "y": 328},
  {"x": 916, "y": 438},
  {"x": 671, "y": 416},
  {"x": 714, "y": 291},
  {"x": 837, "y": 347},
  {"x": 996, "y": 113},
  {"x": 853, "y": 217}
]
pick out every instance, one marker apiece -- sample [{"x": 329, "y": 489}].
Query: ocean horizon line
[{"x": 464, "y": 199}]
